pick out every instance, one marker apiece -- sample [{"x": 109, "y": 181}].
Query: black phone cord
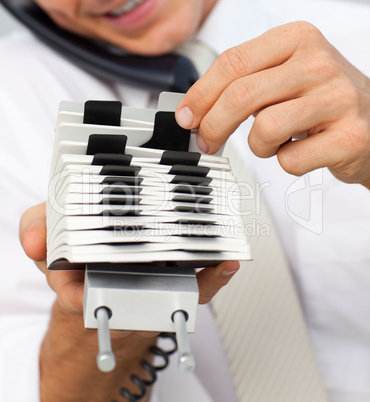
[{"x": 150, "y": 369}]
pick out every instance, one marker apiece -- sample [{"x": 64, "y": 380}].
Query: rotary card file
[{"x": 135, "y": 203}]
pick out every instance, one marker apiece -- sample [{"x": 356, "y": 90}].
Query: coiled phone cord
[{"x": 150, "y": 369}]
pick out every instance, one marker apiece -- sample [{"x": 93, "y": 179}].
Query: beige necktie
[{"x": 261, "y": 321}]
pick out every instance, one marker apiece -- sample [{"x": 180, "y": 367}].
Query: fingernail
[
  {"x": 228, "y": 273},
  {"x": 201, "y": 144},
  {"x": 184, "y": 117},
  {"x": 227, "y": 268}
]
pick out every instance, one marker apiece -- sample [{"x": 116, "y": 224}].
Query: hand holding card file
[{"x": 135, "y": 202}]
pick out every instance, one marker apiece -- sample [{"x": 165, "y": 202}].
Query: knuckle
[
  {"x": 267, "y": 132},
  {"x": 349, "y": 174},
  {"x": 358, "y": 138},
  {"x": 234, "y": 62},
  {"x": 200, "y": 93},
  {"x": 323, "y": 66},
  {"x": 267, "y": 126},
  {"x": 306, "y": 31},
  {"x": 207, "y": 131},
  {"x": 346, "y": 100},
  {"x": 353, "y": 96},
  {"x": 348, "y": 167},
  {"x": 290, "y": 161},
  {"x": 240, "y": 94},
  {"x": 327, "y": 65}
]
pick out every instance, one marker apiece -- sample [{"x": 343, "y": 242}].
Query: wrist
[{"x": 68, "y": 370}]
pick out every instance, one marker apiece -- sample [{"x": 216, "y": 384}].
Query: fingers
[
  {"x": 246, "y": 78},
  {"x": 347, "y": 158},
  {"x": 32, "y": 232},
  {"x": 69, "y": 287},
  {"x": 242, "y": 98},
  {"x": 270, "y": 49},
  {"x": 212, "y": 279},
  {"x": 276, "y": 124},
  {"x": 283, "y": 64}
]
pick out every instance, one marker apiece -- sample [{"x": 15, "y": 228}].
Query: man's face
[{"x": 147, "y": 27}]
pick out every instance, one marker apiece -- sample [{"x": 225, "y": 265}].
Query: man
[{"x": 290, "y": 78}]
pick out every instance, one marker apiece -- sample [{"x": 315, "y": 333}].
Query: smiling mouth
[{"x": 125, "y": 8}]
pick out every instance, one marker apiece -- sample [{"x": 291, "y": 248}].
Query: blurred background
[{"x": 7, "y": 23}]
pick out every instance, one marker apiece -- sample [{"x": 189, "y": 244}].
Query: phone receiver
[{"x": 170, "y": 72}]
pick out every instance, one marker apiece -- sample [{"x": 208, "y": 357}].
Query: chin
[
  {"x": 154, "y": 45},
  {"x": 150, "y": 51}
]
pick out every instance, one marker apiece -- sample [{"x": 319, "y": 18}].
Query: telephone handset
[{"x": 170, "y": 72}]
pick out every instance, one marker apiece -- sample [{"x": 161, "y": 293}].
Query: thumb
[
  {"x": 212, "y": 279},
  {"x": 32, "y": 232}
]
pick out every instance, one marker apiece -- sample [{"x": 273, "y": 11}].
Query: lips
[
  {"x": 125, "y": 8},
  {"x": 134, "y": 16}
]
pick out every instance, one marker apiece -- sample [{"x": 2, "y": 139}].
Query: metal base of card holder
[{"x": 140, "y": 298}]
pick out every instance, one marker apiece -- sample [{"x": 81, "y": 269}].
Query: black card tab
[
  {"x": 106, "y": 144},
  {"x": 123, "y": 180},
  {"x": 200, "y": 209},
  {"x": 195, "y": 199},
  {"x": 190, "y": 189},
  {"x": 185, "y": 158},
  {"x": 104, "y": 113},
  {"x": 199, "y": 171},
  {"x": 102, "y": 159},
  {"x": 192, "y": 180},
  {"x": 122, "y": 189},
  {"x": 168, "y": 134},
  {"x": 120, "y": 201},
  {"x": 119, "y": 170}
]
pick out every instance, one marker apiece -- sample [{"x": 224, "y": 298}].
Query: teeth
[{"x": 125, "y": 8}]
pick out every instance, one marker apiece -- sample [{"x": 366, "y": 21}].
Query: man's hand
[
  {"x": 294, "y": 81},
  {"x": 68, "y": 285},
  {"x": 68, "y": 369}
]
